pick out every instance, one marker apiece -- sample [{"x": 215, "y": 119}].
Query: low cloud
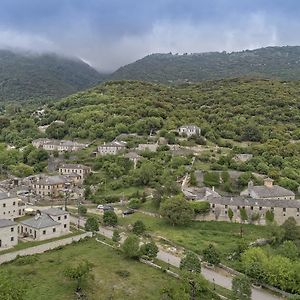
[{"x": 108, "y": 52}]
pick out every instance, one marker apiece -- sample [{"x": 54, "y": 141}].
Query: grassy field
[
  {"x": 198, "y": 235},
  {"x": 46, "y": 278}
]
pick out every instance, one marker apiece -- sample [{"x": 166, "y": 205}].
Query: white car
[{"x": 100, "y": 206}]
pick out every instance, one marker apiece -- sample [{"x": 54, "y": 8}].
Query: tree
[
  {"x": 138, "y": 227},
  {"x": 10, "y": 287},
  {"x": 82, "y": 210},
  {"x": 288, "y": 249},
  {"x": 116, "y": 236},
  {"x": 230, "y": 214},
  {"x": 211, "y": 255},
  {"x": 241, "y": 287},
  {"x": 131, "y": 247},
  {"x": 254, "y": 261},
  {"x": 57, "y": 131},
  {"x": 243, "y": 214},
  {"x": 149, "y": 249},
  {"x": 291, "y": 230},
  {"x": 269, "y": 216},
  {"x": 92, "y": 224},
  {"x": 200, "y": 207},
  {"x": 176, "y": 211},
  {"x": 174, "y": 291},
  {"x": 78, "y": 273},
  {"x": 190, "y": 262},
  {"x": 196, "y": 285},
  {"x": 110, "y": 218}
]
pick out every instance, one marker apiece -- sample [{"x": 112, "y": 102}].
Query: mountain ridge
[
  {"x": 27, "y": 76},
  {"x": 281, "y": 63}
]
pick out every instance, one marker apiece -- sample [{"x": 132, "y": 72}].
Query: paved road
[{"x": 210, "y": 275}]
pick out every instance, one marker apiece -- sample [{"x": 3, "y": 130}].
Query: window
[
  {"x": 58, "y": 218},
  {"x": 12, "y": 239},
  {"x": 251, "y": 207},
  {"x": 4, "y": 204},
  {"x": 260, "y": 208},
  {"x": 66, "y": 216},
  {"x": 44, "y": 231},
  {"x": 14, "y": 203},
  {"x": 213, "y": 205},
  {"x": 54, "y": 229},
  {"x": 226, "y": 206},
  {"x": 284, "y": 209},
  {"x": 65, "y": 225},
  {"x": 12, "y": 229}
]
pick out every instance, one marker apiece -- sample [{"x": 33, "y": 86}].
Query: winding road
[{"x": 223, "y": 279}]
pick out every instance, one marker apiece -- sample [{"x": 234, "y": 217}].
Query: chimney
[
  {"x": 268, "y": 182},
  {"x": 250, "y": 184}
]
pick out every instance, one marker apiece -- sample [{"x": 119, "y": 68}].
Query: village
[{"x": 50, "y": 193}]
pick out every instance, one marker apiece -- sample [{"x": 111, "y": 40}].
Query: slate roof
[
  {"x": 271, "y": 192},
  {"x": 6, "y": 223},
  {"x": 40, "y": 221},
  {"x": 53, "y": 211},
  {"x": 242, "y": 201},
  {"x": 114, "y": 144},
  {"x": 51, "y": 180},
  {"x": 190, "y": 126},
  {"x": 4, "y": 196},
  {"x": 74, "y": 166},
  {"x": 132, "y": 155}
]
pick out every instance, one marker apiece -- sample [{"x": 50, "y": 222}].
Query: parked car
[
  {"x": 100, "y": 206},
  {"x": 128, "y": 212},
  {"x": 108, "y": 207}
]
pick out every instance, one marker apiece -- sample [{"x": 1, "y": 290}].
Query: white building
[
  {"x": 81, "y": 170},
  {"x": 112, "y": 148},
  {"x": 58, "y": 145},
  {"x": 189, "y": 130},
  {"x": 10, "y": 207},
  {"x": 48, "y": 224},
  {"x": 8, "y": 234},
  {"x": 148, "y": 147}
]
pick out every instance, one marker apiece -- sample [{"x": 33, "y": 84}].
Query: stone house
[
  {"x": 8, "y": 234},
  {"x": 134, "y": 157},
  {"x": 242, "y": 157},
  {"x": 81, "y": 170},
  {"x": 58, "y": 145},
  {"x": 51, "y": 186},
  {"x": 112, "y": 148},
  {"x": 148, "y": 147},
  {"x": 282, "y": 209},
  {"x": 268, "y": 191},
  {"x": 48, "y": 224},
  {"x": 10, "y": 207},
  {"x": 189, "y": 130}
]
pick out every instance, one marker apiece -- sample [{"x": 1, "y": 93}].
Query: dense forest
[
  {"x": 27, "y": 76},
  {"x": 260, "y": 117},
  {"x": 271, "y": 62}
]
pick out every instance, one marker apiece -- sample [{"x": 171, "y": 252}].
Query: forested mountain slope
[
  {"x": 271, "y": 62},
  {"x": 26, "y": 76}
]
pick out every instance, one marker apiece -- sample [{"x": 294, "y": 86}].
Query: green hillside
[
  {"x": 25, "y": 76},
  {"x": 271, "y": 62}
]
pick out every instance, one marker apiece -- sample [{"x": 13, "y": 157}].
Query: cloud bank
[{"x": 109, "y": 36}]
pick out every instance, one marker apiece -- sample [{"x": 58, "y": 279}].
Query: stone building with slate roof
[
  {"x": 47, "y": 224},
  {"x": 256, "y": 209},
  {"x": 268, "y": 191},
  {"x": 8, "y": 234},
  {"x": 112, "y": 148},
  {"x": 189, "y": 130},
  {"x": 69, "y": 169},
  {"x": 11, "y": 207}
]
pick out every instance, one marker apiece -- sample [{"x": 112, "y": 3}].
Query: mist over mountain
[
  {"x": 28, "y": 76},
  {"x": 270, "y": 62}
]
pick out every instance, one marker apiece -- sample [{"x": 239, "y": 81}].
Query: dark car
[
  {"x": 128, "y": 212},
  {"x": 108, "y": 207}
]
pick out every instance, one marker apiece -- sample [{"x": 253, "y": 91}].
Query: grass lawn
[
  {"x": 46, "y": 277},
  {"x": 198, "y": 235}
]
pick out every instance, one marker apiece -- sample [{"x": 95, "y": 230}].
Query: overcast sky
[{"x": 112, "y": 33}]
